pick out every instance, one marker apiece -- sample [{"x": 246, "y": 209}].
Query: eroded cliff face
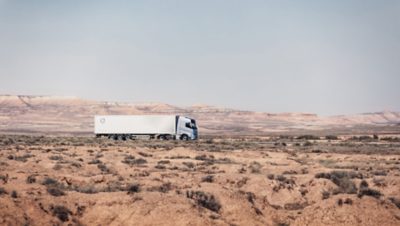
[{"x": 51, "y": 114}]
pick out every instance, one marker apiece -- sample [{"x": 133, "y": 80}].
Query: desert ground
[{"x": 275, "y": 180}]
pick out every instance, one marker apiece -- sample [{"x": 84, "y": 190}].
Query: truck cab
[{"x": 186, "y": 128}]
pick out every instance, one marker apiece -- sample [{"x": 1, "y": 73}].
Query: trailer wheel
[{"x": 184, "y": 137}]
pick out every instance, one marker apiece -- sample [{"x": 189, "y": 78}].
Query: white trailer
[{"x": 152, "y": 126}]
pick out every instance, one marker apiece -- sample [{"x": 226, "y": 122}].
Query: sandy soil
[{"x": 249, "y": 181}]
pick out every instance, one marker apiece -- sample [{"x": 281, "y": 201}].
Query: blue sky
[{"x": 326, "y": 57}]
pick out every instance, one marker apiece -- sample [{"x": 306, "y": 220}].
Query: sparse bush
[
  {"x": 380, "y": 182},
  {"x": 379, "y": 173},
  {"x": 133, "y": 188},
  {"x": 145, "y": 154},
  {"x": 294, "y": 206},
  {"x": 361, "y": 138},
  {"x": 103, "y": 168},
  {"x": 208, "y": 178},
  {"x": 56, "y": 157},
  {"x": 331, "y": 137},
  {"x": 164, "y": 162},
  {"x": 364, "y": 190},
  {"x": 23, "y": 158},
  {"x": 166, "y": 187},
  {"x": 131, "y": 160},
  {"x": 61, "y": 212},
  {"x": 55, "y": 191},
  {"x": 283, "y": 183},
  {"x": 325, "y": 194},
  {"x": 250, "y": 197},
  {"x": 342, "y": 179},
  {"x": 160, "y": 167},
  {"x": 340, "y": 202},
  {"x": 281, "y": 178},
  {"x": 391, "y": 139},
  {"x": 57, "y": 167},
  {"x": 348, "y": 201},
  {"x": 271, "y": 176},
  {"x": 205, "y": 200},
  {"x": 49, "y": 181},
  {"x": 204, "y": 157},
  {"x": 255, "y": 167},
  {"x": 289, "y": 172},
  {"x": 4, "y": 178},
  {"x": 363, "y": 184},
  {"x": 307, "y": 144},
  {"x": 369, "y": 192},
  {"x": 188, "y": 164},
  {"x": 3, "y": 191},
  {"x": 95, "y": 161},
  {"x": 395, "y": 201},
  {"x": 14, "y": 194}
]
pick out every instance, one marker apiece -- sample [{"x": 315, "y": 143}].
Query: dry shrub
[
  {"x": 131, "y": 160},
  {"x": 325, "y": 194},
  {"x": 14, "y": 194},
  {"x": 166, "y": 187},
  {"x": 369, "y": 192},
  {"x": 255, "y": 167},
  {"x": 144, "y": 154},
  {"x": 295, "y": 206},
  {"x": 56, "y": 157},
  {"x": 379, "y": 173},
  {"x": 204, "y": 199},
  {"x": 61, "y": 212},
  {"x": 4, "y": 178},
  {"x": 3, "y": 191},
  {"x": 103, "y": 168},
  {"x": 133, "y": 188},
  {"x": 188, "y": 164},
  {"x": 342, "y": 179},
  {"x": 55, "y": 191},
  {"x": 158, "y": 166},
  {"x": 284, "y": 182},
  {"x": 331, "y": 137},
  {"x": 365, "y": 190},
  {"x": 395, "y": 201},
  {"x": 348, "y": 201},
  {"x": 208, "y": 178},
  {"x": 163, "y": 162},
  {"x": 95, "y": 161},
  {"x": 49, "y": 181},
  {"x": 22, "y": 158},
  {"x": 251, "y": 197}
]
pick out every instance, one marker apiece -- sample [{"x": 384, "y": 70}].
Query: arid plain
[{"x": 285, "y": 180}]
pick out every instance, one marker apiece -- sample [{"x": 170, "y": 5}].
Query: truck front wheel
[{"x": 184, "y": 137}]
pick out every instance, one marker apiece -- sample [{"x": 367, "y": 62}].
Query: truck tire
[{"x": 184, "y": 137}]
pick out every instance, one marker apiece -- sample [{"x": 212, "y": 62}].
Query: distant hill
[{"x": 72, "y": 115}]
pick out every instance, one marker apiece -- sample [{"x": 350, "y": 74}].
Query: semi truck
[{"x": 163, "y": 127}]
